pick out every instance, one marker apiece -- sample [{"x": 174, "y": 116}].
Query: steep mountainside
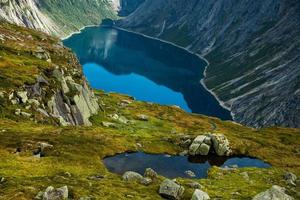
[
  {"x": 41, "y": 80},
  {"x": 56, "y": 17},
  {"x": 128, "y": 6},
  {"x": 253, "y": 48}
]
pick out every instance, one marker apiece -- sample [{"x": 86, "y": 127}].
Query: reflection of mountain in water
[{"x": 124, "y": 53}]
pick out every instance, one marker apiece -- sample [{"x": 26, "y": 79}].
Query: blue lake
[{"x": 147, "y": 69}]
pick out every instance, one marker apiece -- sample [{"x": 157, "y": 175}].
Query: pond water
[
  {"x": 175, "y": 166},
  {"x": 147, "y": 69}
]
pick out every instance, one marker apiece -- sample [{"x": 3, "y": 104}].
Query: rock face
[
  {"x": 170, "y": 190},
  {"x": 203, "y": 144},
  {"x": 128, "y": 6},
  {"x": 274, "y": 193},
  {"x": 26, "y": 13},
  {"x": 200, "y": 195},
  {"x": 55, "y": 17},
  {"x": 74, "y": 103},
  {"x": 252, "y": 47}
]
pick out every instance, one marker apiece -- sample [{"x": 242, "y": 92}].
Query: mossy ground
[{"x": 80, "y": 150}]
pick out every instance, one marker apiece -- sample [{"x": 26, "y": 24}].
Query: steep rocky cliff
[
  {"x": 56, "y": 17},
  {"x": 253, "y": 48},
  {"x": 129, "y": 6},
  {"x": 42, "y": 81}
]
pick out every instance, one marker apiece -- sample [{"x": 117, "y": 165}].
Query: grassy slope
[
  {"x": 68, "y": 14},
  {"x": 79, "y": 150}
]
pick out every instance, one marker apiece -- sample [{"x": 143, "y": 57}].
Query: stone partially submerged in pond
[
  {"x": 204, "y": 144},
  {"x": 171, "y": 190}
]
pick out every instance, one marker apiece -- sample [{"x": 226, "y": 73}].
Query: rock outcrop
[
  {"x": 252, "y": 48},
  {"x": 52, "y": 193},
  {"x": 204, "y": 144}
]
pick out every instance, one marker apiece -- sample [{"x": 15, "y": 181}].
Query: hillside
[
  {"x": 42, "y": 87},
  {"x": 252, "y": 47},
  {"x": 56, "y": 17}
]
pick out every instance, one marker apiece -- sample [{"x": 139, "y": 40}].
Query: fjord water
[
  {"x": 147, "y": 69},
  {"x": 175, "y": 166}
]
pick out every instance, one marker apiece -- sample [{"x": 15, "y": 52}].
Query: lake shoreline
[{"x": 220, "y": 102}]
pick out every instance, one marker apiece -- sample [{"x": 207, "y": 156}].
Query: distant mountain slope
[
  {"x": 253, "y": 48},
  {"x": 54, "y": 16}
]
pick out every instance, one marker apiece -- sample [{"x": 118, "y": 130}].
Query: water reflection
[{"x": 118, "y": 54}]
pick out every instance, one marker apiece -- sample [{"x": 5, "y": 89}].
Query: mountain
[
  {"x": 43, "y": 95},
  {"x": 56, "y": 17},
  {"x": 253, "y": 48},
  {"x": 128, "y": 6}
]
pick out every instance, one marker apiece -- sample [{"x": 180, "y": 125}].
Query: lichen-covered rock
[
  {"x": 132, "y": 176},
  {"x": 171, "y": 190},
  {"x": 290, "y": 178},
  {"x": 200, "y": 195},
  {"x": 22, "y": 95},
  {"x": 145, "y": 181},
  {"x": 150, "y": 173},
  {"x": 56, "y": 194},
  {"x": 274, "y": 193},
  {"x": 200, "y": 145},
  {"x": 221, "y": 145}
]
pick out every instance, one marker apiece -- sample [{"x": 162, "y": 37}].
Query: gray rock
[
  {"x": 290, "y": 178},
  {"x": 150, "y": 173},
  {"x": 143, "y": 117},
  {"x": 145, "y": 181},
  {"x": 195, "y": 185},
  {"x": 132, "y": 176},
  {"x": 190, "y": 173},
  {"x": 200, "y": 145},
  {"x": 22, "y": 95},
  {"x": 245, "y": 176},
  {"x": 34, "y": 102},
  {"x": 56, "y": 194},
  {"x": 170, "y": 190},
  {"x": 1, "y": 94},
  {"x": 200, "y": 195},
  {"x": 18, "y": 112},
  {"x": 126, "y": 101},
  {"x": 25, "y": 114},
  {"x": 274, "y": 193},
  {"x": 221, "y": 145},
  {"x": 108, "y": 124}
]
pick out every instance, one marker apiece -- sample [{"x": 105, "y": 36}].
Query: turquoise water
[{"x": 147, "y": 69}]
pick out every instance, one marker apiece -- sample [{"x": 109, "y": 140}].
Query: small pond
[{"x": 175, "y": 166}]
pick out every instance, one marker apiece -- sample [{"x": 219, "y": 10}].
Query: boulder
[
  {"x": 132, "y": 176},
  {"x": 220, "y": 144},
  {"x": 143, "y": 117},
  {"x": 200, "y": 145},
  {"x": 190, "y": 173},
  {"x": 290, "y": 178},
  {"x": 108, "y": 124},
  {"x": 171, "y": 190},
  {"x": 195, "y": 185},
  {"x": 150, "y": 173},
  {"x": 56, "y": 194},
  {"x": 200, "y": 195},
  {"x": 145, "y": 181},
  {"x": 274, "y": 193},
  {"x": 22, "y": 95}
]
